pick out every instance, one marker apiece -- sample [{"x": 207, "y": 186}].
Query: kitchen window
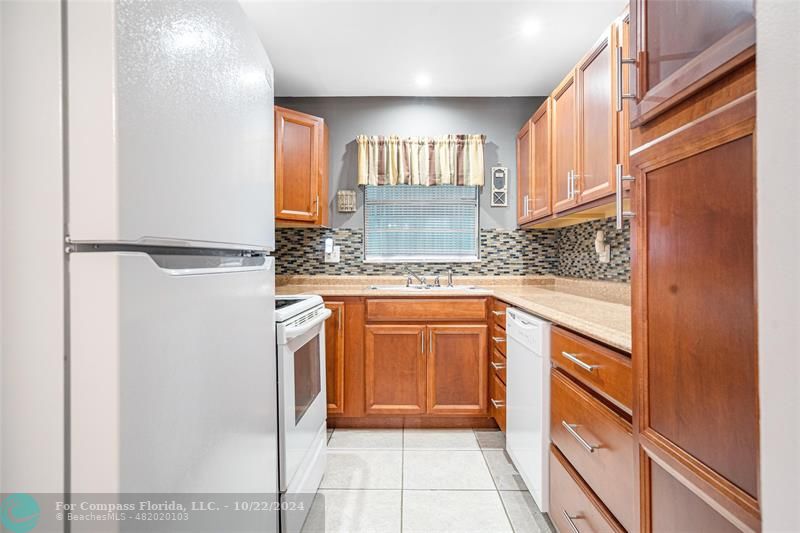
[{"x": 410, "y": 223}]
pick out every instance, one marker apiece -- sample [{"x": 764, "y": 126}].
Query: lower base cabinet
[
  {"x": 334, "y": 357},
  {"x": 422, "y": 369},
  {"x": 497, "y": 398},
  {"x": 573, "y": 505},
  {"x": 458, "y": 369},
  {"x": 395, "y": 369}
]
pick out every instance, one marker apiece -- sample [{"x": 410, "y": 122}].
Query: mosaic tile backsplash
[{"x": 563, "y": 251}]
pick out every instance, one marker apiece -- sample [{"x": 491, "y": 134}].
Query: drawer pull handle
[
  {"x": 499, "y": 339},
  {"x": 498, "y": 404},
  {"x": 572, "y": 357},
  {"x": 498, "y": 366},
  {"x": 571, "y": 430},
  {"x": 498, "y": 313},
  {"x": 571, "y": 523}
]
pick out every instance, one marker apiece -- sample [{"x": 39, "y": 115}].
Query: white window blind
[{"x": 408, "y": 223}]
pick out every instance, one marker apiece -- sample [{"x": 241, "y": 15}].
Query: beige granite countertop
[{"x": 598, "y": 309}]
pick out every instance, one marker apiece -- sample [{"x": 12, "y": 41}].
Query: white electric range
[{"x": 302, "y": 403}]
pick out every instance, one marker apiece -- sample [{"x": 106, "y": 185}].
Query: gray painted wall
[{"x": 498, "y": 118}]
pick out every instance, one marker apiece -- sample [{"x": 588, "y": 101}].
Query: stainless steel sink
[{"x": 421, "y": 288}]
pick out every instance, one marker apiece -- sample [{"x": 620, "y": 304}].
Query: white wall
[
  {"x": 32, "y": 369},
  {"x": 778, "y": 134}
]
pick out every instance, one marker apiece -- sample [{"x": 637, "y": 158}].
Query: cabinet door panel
[
  {"x": 564, "y": 143},
  {"x": 673, "y": 507},
  {"x": 524, "y": 173},
  {"x": 541, "y": 175},
  {"x": 701, "y": 23},
  {"x": 596, "y": 122},
  {"x": 458, "y": 368},
  {"x": 701, "y": 360},
  {"x": 297, "y": 149},
  {"x": 334, "y": 358},
  {"x": 694, "y": 304},
  {"x": 394, "y": 369},
  {"x": 682, "y": 46}
]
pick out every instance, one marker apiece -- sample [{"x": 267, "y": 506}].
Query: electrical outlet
[{"x": 334, "y": 256}]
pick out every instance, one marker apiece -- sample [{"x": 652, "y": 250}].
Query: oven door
[{"x": 302, "y": 396}]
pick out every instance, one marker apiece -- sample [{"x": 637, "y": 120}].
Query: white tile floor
[{"x": 422, "y": 481}]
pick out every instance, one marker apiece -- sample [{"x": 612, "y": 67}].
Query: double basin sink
[{"x": 423, "y": 288}]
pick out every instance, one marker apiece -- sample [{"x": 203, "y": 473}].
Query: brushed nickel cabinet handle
[
  {"x": 572, "y": 525},
  {"x": 498, "y": 339},
  {"x": 498, "y": 404},
  {"x": 498, "y": 366},
  {"x": 574, "y": 358},
  {"x": 422, "y": 338},
  {"x": 620, "y": 179},
  {"x": 571, "y": 430},
  {"x": 620, "y": 95},
  {"x": 498, "y": 313}
]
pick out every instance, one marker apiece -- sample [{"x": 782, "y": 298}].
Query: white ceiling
[{"x": 464, "y": 48}]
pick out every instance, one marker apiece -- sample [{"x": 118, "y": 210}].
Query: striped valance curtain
[{"x": 447, "y": 160}]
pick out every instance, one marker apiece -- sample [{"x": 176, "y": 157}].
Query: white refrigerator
[{"x": 169, "y": 335}]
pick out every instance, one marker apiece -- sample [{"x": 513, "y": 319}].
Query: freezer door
[
  {"x": 172, "y": 374},
  {"x": 170, "y": 124}
]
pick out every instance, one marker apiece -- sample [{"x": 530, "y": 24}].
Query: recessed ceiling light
[
  {"x": 422, "y": 79},
  {"x": 530, "y": 27}
]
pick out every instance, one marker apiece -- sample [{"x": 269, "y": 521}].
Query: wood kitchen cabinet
[
  {"x": 334, "y": 357},
  {"x": 458, "y": 369},
  {"x": 682, "y": 46},
  {"x": 541, "y": 175},
  {"x": 437, "y": 370},
  {"x": 301, "y": 169},
  {"x": 570, "y": 149},
  {"x": 597, "y": 125},
  {"x": 693, "y": 268},
  {"x": 564, "y": 144},
  {"x": 524, "y": 172},
  {"x": 533, "y": 166},
  {"x": 395, "y": 369}
]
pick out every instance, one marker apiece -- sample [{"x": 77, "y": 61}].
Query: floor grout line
[
  {"x": 402, "y": 473},
  {"x": 497, "y": 489}
]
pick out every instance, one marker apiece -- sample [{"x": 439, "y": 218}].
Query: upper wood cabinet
[
  {"x": 395, "y": 369},
  {"x": 524, "y": 172},
  {"x": 334, "y": 357},
  {"x": 458, "y": 369},
  {"x": 682, "y": 46},
  {"x": 301, "y": 169},
  {"x": 569, "y": 153},
  {"x": 597, "y": 125},
  {"x": 541, "y": 175},
  {"x": 533, "y": 166},
  {"x": 564, "y": 144}
]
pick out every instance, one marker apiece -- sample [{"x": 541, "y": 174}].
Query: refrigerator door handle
[{"x": 195, "y": 265}]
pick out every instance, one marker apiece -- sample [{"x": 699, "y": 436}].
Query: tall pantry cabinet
[{"x": 692, "y": 165}]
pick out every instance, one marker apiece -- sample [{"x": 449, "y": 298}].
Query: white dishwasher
[{"x": 528, "y": 400}]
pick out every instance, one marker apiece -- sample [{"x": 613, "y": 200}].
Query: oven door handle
[{"x": 294, "y": 332}]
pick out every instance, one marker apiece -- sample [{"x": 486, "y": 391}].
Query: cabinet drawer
[
  {"x": 499, "y": 365},
  {"x": 499, "y": 339},
  {"x": 499, "y": 313},
  {"x": 572, "y": 501},
  {"x": 419, "y": 309},
  {"x": 497, "y": 399},
  {"x": 597, "y": 443},
  {"x": 604, "y": 371}
]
